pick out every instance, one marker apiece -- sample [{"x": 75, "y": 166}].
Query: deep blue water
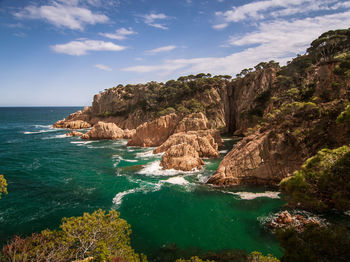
[{"x": 51, "y": 176}]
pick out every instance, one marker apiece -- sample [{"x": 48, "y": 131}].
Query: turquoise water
[{"x": 51, "y": 176}]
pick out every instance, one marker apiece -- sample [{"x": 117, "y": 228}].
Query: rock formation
[
  {"x": 107, "y": 131},
  {"x": 181, "y": 157},
  {"x": 74, "y": 133},
  {"x": 154, "y": 133},
  {"x": 201, "y": 141},
  {"x": 74, "y": 124},
  {"x": 262, "y": 158}
]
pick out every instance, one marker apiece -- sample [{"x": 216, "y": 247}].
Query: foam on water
[
  {"x": 118, "y": 199},
  {"x": 81, "y": 142},
  {"x": 56, "y": 136},
  {"x": 250, "y": 195},
  {"x": 154, "y": 169},
  {"x": 223, "y": 151},
  {"x": 347, "y": 213},
  {"x": 178, "y": 180},
  {"x": 147, "y": 154}
]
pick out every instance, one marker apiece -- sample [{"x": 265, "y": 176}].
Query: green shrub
[
  {"x": 99, "y": 235},
  {"x": 3, "y": 185},
  {"x": 344, "y": 117},
  {"x": 322, "y": 183}
]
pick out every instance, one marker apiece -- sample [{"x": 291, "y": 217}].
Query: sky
[{"x": 62, "y": 52}]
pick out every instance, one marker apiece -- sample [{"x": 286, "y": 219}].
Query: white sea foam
[
  {"x": 38, "y": 132},
  {"x": 130, "y": 160},
  {"x": 154, "y": 169},
  {"x": 148, "y": 154},
  {"x": 118, "y": 199},
  {"x": 81, "y": 142},
  {"x": 223, "y": 151},
  {"x": 347, "y": 213},
  {"x": 250, "y": 195},
  {"x": 56, "y": 136},
  {"x": 121, "y": 142},
  {"x": 202, "y": 178},
  {"x": 178, "y": 180}
]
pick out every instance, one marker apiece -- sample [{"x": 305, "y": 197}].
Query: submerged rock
[
  {"x": 181, "y": 157},
  {"x": 154, "y": 133},
  {"x": 104, "y": 130}
]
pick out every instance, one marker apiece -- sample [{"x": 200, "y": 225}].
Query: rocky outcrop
[
  {"x": 74, "y": 124},
  {"x": 181, "y": 157},
  {"x": 297, "y": 221},
  {"x": 154, "y": 133},
  {"x": 262, "y": 158},
  {"x": 202, "y": 142},
  {"x": 107, "y": 131},
  {"x": 74, "y": 133},
  {"x": 193, "y": 122}
]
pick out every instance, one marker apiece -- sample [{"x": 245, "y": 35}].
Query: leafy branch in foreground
[
  {"x": 3, "y": 185},
  {"x": 100, "y": 236}
]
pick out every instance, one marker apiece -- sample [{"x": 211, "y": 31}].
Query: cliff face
[{"x": 292, "y": 128}]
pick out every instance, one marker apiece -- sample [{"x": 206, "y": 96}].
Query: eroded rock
[
  {"x": 181, "y": 157},
  {"x": 74, "y": 124},
  {"x": 104, "y": 130},
  {"x": 74, "y": 133},
  {"x": 154, "y": 133}
]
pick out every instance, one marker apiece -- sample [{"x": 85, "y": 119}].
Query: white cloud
[
  {"x": 258, "y": 10},
  {"x": 161, "y": 49},
  {"x": 62, "y": 15},
  {"x": 220, "y": 26},
  {"x": 103, "y": 67},
  {"x": 151, "y": 19},
  {"x": 81, "y": 47},
  {"x": 278, "y": 40},
  {"x": 119, "y": 34}
]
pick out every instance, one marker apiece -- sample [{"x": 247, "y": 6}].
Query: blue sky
[{"x": 62, "y": 52}]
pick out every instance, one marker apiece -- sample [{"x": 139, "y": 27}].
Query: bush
[
  {"x": 322, "y": 183},
  {"x": 315, "y": 243},
  {"x": 344, "y": 117},
  {"x": 98, "y": 235}
]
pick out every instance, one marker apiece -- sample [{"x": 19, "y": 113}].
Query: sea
[{"x": 51, "y": 176}]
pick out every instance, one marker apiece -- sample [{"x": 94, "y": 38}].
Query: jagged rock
[
  {"x": 129, "y": 133},
  {"x": 74, "y": 133},
  {"x": 104, "y": 131},
  {"x": 202, "y": 141},
  {"x": 181, "y": 157},
  {"x": 298, "y": 222},
  {"x": 74, "y": 124},
  {"x": 193, "y": 122},
  {"x": 154, "y": 133},
  {"x": 261, "y": 158}
]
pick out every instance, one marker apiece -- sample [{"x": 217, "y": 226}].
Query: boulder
[
  {"x": 154, "y": 133},
  {"x": 181, "y": 157},
  {"x": 202, "y": 142},
  {"x": 261, "y": 158},
  {"x": 74, "y": 133},
  {"x": 74, "y": 124},
  {"x": 104, "y": 130}
]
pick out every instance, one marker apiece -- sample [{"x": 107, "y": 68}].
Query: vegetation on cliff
[
  {"x": 323, "y": 181},
  {"x": 3, "y": 185}
]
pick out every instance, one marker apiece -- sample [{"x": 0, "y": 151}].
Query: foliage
[
  {"x": 344, "y": 117},
  {"x": 325, "y": 47},
  {"x": 322, "y": 183},
  {"x": 315, "y": 243},
  {"x": 193, "y": 259},
  {"x": 99, "y": 235},
  {"x": 3, "y": 185},
  {"x": 258, "y": 257}
]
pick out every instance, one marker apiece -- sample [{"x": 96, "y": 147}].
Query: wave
[
  {"x": 81, "y": 142},
  {"x": 39, "y": 132},
  {"x": 250, "y": 195},
  {"x": 154, "y": 169},
  {"x": 118, "y": 199},
  {"x": 223, "y": 151},
  {"x": 148, "y": 154},
  {"x": 54, "y": 137}
]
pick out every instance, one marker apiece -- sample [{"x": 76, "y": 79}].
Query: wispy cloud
[
  {"x": 161, "y": 49},
  {"x": 220, "y": 26},
  {"x": 278, "y": 40},
  {"x": 151, "y": 19},
  {"x": 62, "y": 15},
  {"x": 81, "y": 47},
  {"x": 259, "y": 10},
  {"x": 119, "y": 34},
  {"x": 103, "y": 67}
]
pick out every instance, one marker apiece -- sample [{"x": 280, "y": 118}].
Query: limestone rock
[
  {"x": 202, "y": 142},
  {"x": 261, "y": 158},
  {"x": 74, "y": 124},
  {"x": 104, "y": 131},
  {"x": 154, "y": 133},
  {"x": 74, "y": 133},
  {"x": 181, "y": 157}
]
